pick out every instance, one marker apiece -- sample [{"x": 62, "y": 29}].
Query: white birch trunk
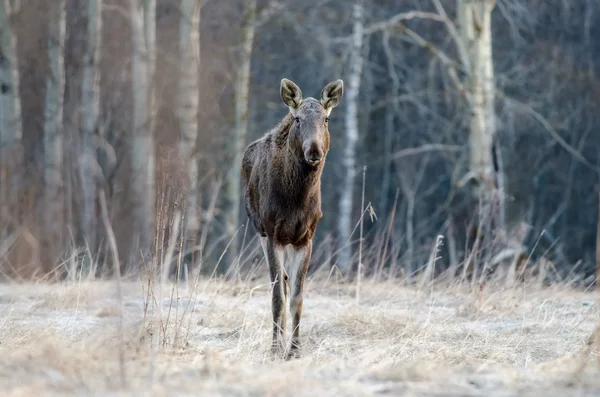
[
  {"x": 90, "y": 99},
  {"x": 475, "y": 22},
  {"x": 143, "y": 28},
  {"x": 240, "y": 131},
  {"x": 351, "y": 128},
  {"x": 53, "y": 130},
  {"x": 188, "y": 102}
]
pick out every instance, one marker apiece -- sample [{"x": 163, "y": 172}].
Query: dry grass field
[{"x": 212, "y": 339}]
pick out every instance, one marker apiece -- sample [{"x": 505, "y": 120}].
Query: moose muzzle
[{"x": 313, "y": 154}]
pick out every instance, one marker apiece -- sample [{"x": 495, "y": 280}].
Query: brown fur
[
  {"x": 283, "y": 193},
  {"x": 282, "y": 176}
]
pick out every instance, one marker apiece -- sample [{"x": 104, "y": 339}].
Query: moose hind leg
[
  {"x": 299, "y": 258},
  {"x": 274, "y": 255}
]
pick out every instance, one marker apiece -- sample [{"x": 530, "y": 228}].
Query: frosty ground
[{"x": 212, "y": 339}]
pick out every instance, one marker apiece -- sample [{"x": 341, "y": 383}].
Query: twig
[
  {"x": 548, "y": 127},
  {"x": 430, "y": 268},
  {"x": 388, "y": 235},
  {"x": 162, "y": 279},
  {"x": 460, "y": 44},
  {"x": 451, "y": 66},
  {"x": 429, "y": 147},
  {"x": 392, "y": 22},
  {"x": 360, "y": 244}
]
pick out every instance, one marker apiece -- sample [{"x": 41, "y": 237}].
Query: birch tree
[
  {"x": 53, "y": 128},
  {"x": 474, "y": 43},
  {"x": 351, "y": 129},
  {"x": 475, "y": 23},
  {"x": 472, "y": 37},
  {"x": 143, "y": 29},
  {"x": 90, "y": 98},
  {"x": 240, "y": 131},
  {"x": 189, "y": 59}
]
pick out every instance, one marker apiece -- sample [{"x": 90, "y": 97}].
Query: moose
[{"x": 281, "y": 173}]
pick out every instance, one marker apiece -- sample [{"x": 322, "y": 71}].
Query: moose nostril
[
  {"x": 313, "y": 153},
  {"x": 314, "y": 157}
]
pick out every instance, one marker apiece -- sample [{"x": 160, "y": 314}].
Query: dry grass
[{"x": 63, "y": 339}]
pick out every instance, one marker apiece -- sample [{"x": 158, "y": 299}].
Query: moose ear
[
  {"x": 290, "y": 94},
  {"x": 332, "y": 95}
]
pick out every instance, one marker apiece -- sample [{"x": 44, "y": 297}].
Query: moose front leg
[
  {"x": 299, "y": 259},
  {"x": 274, "y": 256}
]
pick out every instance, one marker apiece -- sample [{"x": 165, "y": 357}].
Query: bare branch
[
  {"x": 460, "y": 44},
  {"x": 405, "y": 16},
  {"x": 548, "y": 127},
  {"x": 451, "y": 65},
  {"x": 392, "y": 22},
  {"x": 409, "y": 97},
  {"x": 391, "y": 68},
  {"x": 430, "y": 147}
]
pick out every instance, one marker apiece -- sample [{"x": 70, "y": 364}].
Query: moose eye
[
  {"x": 297, "y": 119},
  {"x": 327, "y": 119}
]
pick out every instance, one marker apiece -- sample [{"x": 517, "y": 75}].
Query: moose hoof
[
  {"x": 293, "y": 354},
  {"x": 294, "y": 351},
  {"x": 277, "y": 352}
]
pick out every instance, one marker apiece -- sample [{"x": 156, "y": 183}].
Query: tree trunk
[
  {"x": 349, "y": 156},
  {"x": 11, "y": 130},
  {"x": 240, "y": 132},
  {"x": 149, "y": 10},
  {"x": 53, "y": 132},
  {"x": 143, "y": 28},
  {"x": 90, "y": 99},
  {"x": 475, "y": 17},
  {"x": 189, "y": 55}
]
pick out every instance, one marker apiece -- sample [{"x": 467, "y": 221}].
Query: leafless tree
[
  {"x": 11, "y": 128},
  {"x": 442, "y": 122},
  {"x": 143, "y": 30},
  {"x": 351, "y": 138},
  {"x": 89, "y": 171},
  {"x": 235, "y": 146},
  {"x": 188, "y": 102},
  {"x": 54, "y": 197},
  {"x": 10, "y": 102}
]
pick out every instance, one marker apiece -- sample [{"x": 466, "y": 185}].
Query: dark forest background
[{"x": 174, "y": 148}]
